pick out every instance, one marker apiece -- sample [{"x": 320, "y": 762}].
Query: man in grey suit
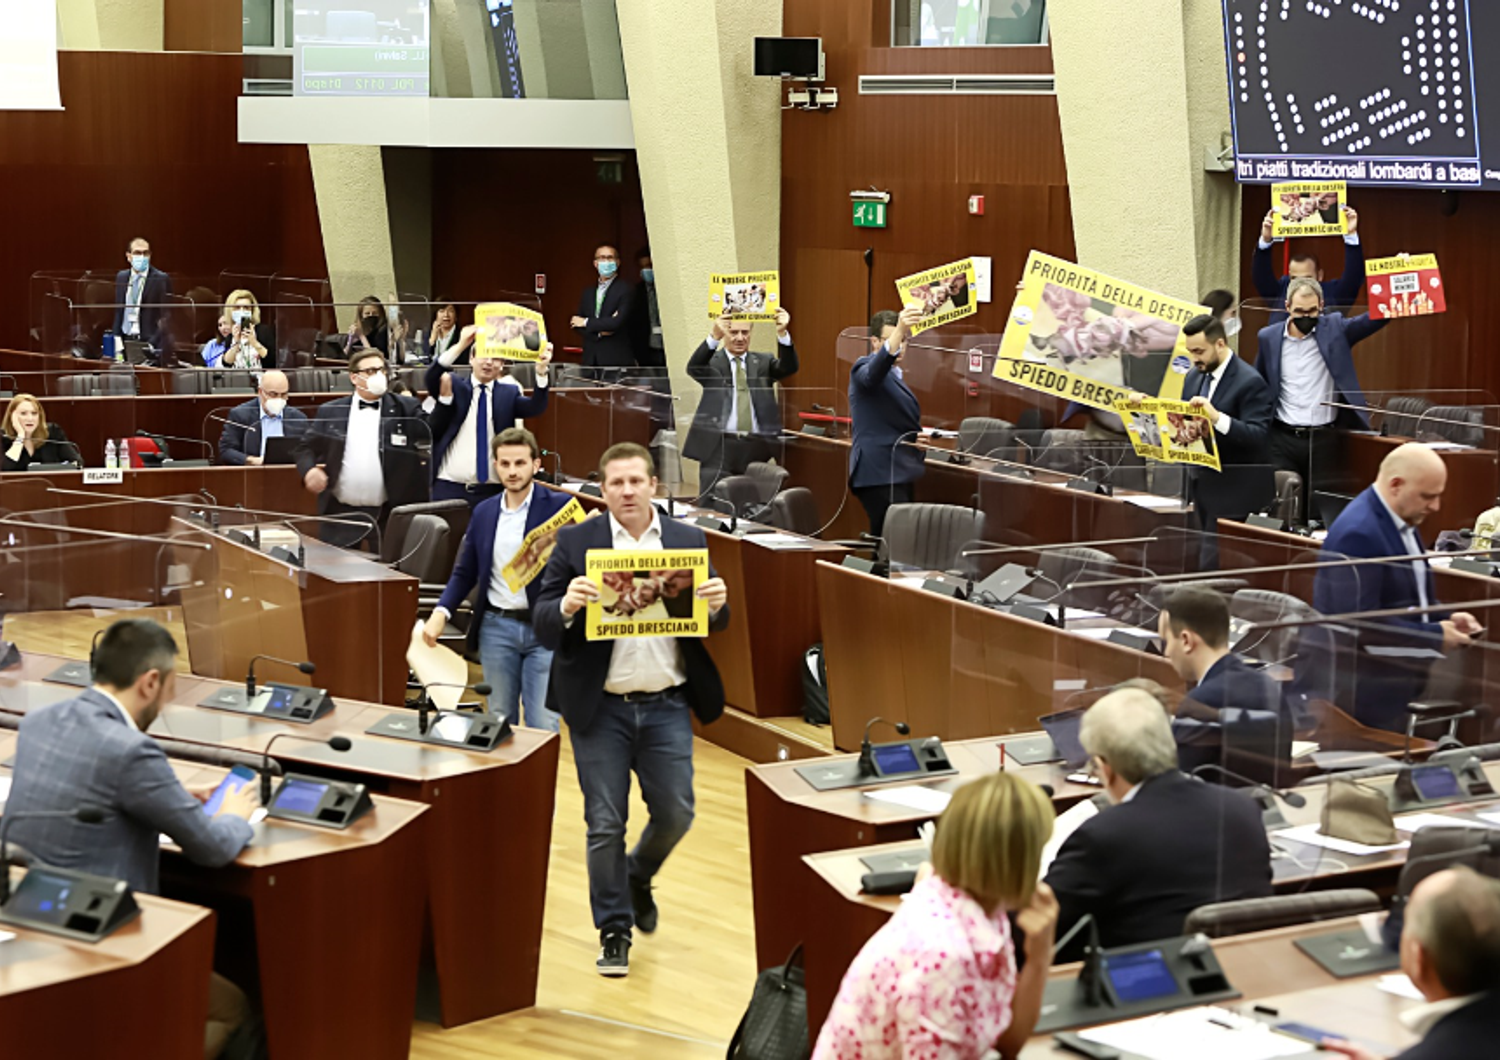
[
  {"x": 738, "y": 419},
  {"x": 93, "y": 750}
]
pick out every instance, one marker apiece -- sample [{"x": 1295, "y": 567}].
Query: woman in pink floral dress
[{"x": 939, "y": 980}]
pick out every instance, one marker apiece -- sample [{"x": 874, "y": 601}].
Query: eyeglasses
[{"x": 368, "y": 372}]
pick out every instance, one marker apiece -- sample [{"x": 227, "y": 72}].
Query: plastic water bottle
[
  {"x": 124, "y": 453},
  {"x": 111, "y": 460}
]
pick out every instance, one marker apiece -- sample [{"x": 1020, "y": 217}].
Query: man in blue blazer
[
  {"x": 886, "y": 417},
  {"x": 516, "y": 664},
  {"x": 603, "y": 317},
  {"x": 1308, "y": 361},
  {"x": 1341, "y": 292},
  {"x": 468, "y": 414},
  {"x": 1234, "y": 715},
  {"x": 629, "y": 704},
  {"x": 141, "y": 295},
  {"x": 1383, "y": 521},
  {"x": 267, "y": 415},
  {"x": 1238, "y": 403}
]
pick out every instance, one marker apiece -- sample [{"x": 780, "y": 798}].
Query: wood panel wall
[
  {"x": 931, "y": 152},
  {"x": 501, "y": 217},
  {"x": 1449, "y": 351},
  {"x": 147, "y": 145},
  {"x": 203, "y": 25}
]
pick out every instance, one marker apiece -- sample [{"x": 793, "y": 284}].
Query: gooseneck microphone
[
  {"x": 867, "y": 752},
  {"x": 85, "y": 814},
  {"x": 425, "y": 704},
  {"x": 304, "y": 667},
  {"x": 338, "y": 743},
  {"x": 1291, "y": 798}
]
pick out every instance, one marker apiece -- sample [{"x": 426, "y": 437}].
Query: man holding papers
[
  {"x": 629, "y": 700},
  {"x": 504, "y": 553}
]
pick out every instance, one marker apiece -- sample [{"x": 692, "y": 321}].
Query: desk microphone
[
  {"x": 713, "y": 501},
  {"x": 1062, "y": 608},
  {"x": 209, "y": 753},
  {"x": 556, "y": 463},
  {"x": 867, "y": 753},
  {"x": 304, "y": 667},
  {"x": 425, "y": 704},
  {"x": 1091, "y": 976},
  {"x": 84, "y": 814},
  {"x": 1291, "y": 798},
  {"x": 338, "y": 743}
]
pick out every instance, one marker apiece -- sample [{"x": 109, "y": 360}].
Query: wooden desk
[
  {"x": 581, "y": 422},
  {"x": 951, "y": 668},
  {"x": 145, "y": 987},
  {"x": 788, "y": 818},
  {"x": 1473, "y": 474},
  {"x": 34, "y": 373}
]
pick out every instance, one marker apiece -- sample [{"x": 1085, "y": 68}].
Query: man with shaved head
[
  {"x": 1384, "y": 521},
  {"x": 266, "y": 415},
  {"x": 1450, "y": 950}
]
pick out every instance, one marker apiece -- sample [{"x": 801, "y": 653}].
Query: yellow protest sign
[
  {"x": 1314, "y": 208},
  {"x": 511, "y": 332},
  {"x": 536, "y": 547},
  {"x": 1071, "y": 329},
  {"x": 1171, "y": 431},
  {"x": 945, "y": 294},
  {"x": 646, "y": 594},
  {"x": 746, "y": 295}
]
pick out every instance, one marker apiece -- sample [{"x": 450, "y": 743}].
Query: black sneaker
[
  {"x": 643, "y": 905},
  {"x": 614, "y": 954}
]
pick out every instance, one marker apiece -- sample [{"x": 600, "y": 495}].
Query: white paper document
[
  {"x": 1309, "y": 834},
  {"x": 782, "y": 542},
  {"x": 913, "y": 797},
  {"x": 1400, "y": 986},
  {"x": 1196, "y": 1033},
  {"x": 1150, "y": 500},
  {"x": 1410, "y": 822}
]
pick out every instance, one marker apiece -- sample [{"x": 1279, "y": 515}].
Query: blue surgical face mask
[
  {"x": 648, "y": 275},
  {"x": 608, "y": 268},
  {"x": 140, "y": 262}
]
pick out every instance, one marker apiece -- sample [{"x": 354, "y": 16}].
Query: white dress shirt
[
  {"x": 510, "y": 531},
  {"x": 1419, "y": 1019},
  {"x": 1413, "y": 546},
  {"x": 458, "y": 461},
  {"x": 1306, "y": 383},
  {"x": 738, "y": 364},
  {"x": 362, "y": 475},
  {"x": 643, "y": 664},
  {"x": 129, "y": 719},
  {"x": 1214, "y": 378}
]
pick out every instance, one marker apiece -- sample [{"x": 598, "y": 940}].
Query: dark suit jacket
[
  {"x": 154, "y": 297},
  {"x": 1378, "y": 688},
  {"x": 1341, "y": 292},
  {"x": 1469, "y": 1033},
  {"x": 886, "y": 416},
  {"x": 646, "y": 355},
  {"x": 55, "y": 450},
  {"x": 82, "y": 751},
  {"x": 711, "y": 370},
  {"x": 612, "y": 350},
  {"x": 580, "y": 666},
  {"x": 241, "y": 435},
  {"x": 1335, "y": 336},
  {"x": 1235, "y": 718},
  {"x": 506, "y": 404},
  {"x": 1142, "y": 866},
  {"x": 404, "y": 451},
  {"x": 476, "y": 555},
  {"x": 1247, "y": 482}
]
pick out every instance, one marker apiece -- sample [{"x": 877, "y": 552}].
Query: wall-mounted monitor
[{"x": 789, "y": 57}]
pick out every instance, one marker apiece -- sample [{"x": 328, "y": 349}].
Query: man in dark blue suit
[
  {"x": 604, "y": 311},
  {"x": 1238, "y": 403},
  {"x": 516, "y": 664},
  {"x": 629, "y": 703},
  {"x": 1383, "y": 521},
  {"x": 1234, "y": 715},
  {"x": 141, "y": 295},
  {"x": 886, "y": 416},
  {"x": 470, "y": 412},
  {"x": 266, "y": 415},
  {"x": 1340, "y": 292},
  {"x": 1308, "y": 362}
]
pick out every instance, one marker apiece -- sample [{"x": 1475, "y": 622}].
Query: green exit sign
[{"x": 869, "y": 214}]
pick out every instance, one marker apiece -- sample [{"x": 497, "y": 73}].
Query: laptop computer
[
  {"x": 1063, "y": 728},
  {"x": 281, "y": 450},
  {"x": 1330, "y": 506}
]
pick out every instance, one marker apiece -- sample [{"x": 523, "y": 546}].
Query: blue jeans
[
  {"x": 656, "y": 740},
  {"x": 516, "y": 668}
]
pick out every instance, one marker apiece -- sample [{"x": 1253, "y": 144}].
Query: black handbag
[{"x": 774, "y": 1027}]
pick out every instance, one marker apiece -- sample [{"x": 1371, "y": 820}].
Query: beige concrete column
[
  {"x": 1140, "y": 98},
  {"x": 349, "y": 182},
  {"x": 111, "y": 25},
  {"x": 708, "y": 143}
]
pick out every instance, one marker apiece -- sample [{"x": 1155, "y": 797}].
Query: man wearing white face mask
[
  {"x": 1224, "y": 307},
  {"x": 264, "y": 416},
  {"x": 603, "y": 317},
  {"x": 141, "y": 295},
  {"x": 365, "y": 454}
]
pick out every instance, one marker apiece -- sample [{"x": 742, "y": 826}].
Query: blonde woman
[
  {"x": 939, "y": 979},
  {"x": 250, "y": 341},
  {"x": 27, "y": 438}
]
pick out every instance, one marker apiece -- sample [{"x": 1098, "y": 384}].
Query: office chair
[
  {"x": 930, "y": 536},
  {"x": 795, "y": 510},
  {"x": 769, "y": 479}
]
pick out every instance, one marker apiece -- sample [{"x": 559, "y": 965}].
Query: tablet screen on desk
[
  {"x": 300, "y": 796},
  {"x": 1435, "y": 782},
  {"x": 453, "y": 727},
  {"x": 1140, "y": 976},
  {"x": 1063, "y": 728},
  {"x": 895, "y": 759}
]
